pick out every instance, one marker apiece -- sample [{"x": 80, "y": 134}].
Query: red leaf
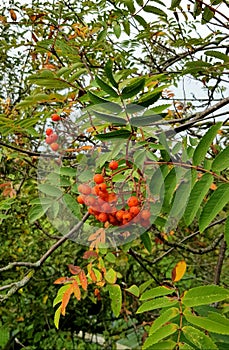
[
  {"x": 75, "y": 270},
  {"x": 83, "y": 279},
  {"x": 62, "y": 280},
  {"x": 76, "y": 290},
  {"x": 90, "y": 254},
  {"x": 65, "y": 299}
]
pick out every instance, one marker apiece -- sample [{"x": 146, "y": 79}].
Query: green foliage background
[{"x": 62, "y": 56}]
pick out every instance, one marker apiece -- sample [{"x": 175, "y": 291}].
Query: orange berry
[
  {"x": 112, "y": 219},
  {"x": 96, "y": 189},
  {"x": 54, "y": 147},
  {"x": 119, "y": 215},
  {"x": 132, "y": 201},
  {"x": 106, "y": 208},
  {"x": 91, "y": 201},
  {"x": 102, "y": 187},
  {"x": 51, "y": 139},
  {"x": 80, "y": 199},
  {"x": 103, "y": 217},
  {"x": 113, "y": 165},
  {"x": 49, "y": 131},
  {"x": 84, "y": 189},
  {"x": 127, "y": 216},
  {"x": 134, "y": 210},
  {"x": 112, "y": 197},
  {"x": 55, "y": 117},
  {"x": 92, "y": 211},
  {"x": 98, "y": 178},
  {"x": 103, "y": 195},
  {"x": 145, "y": 214}
]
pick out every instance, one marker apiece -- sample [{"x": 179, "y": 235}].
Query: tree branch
[
  {"x": 14, "y": 287},
  {"x": 219, "y": 264}
]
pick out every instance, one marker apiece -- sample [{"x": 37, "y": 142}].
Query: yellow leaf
[{"x": 179, "y": 271}]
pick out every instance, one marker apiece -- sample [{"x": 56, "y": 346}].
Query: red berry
[
  {"x": 55, "y": 117},
  {"x": 49, "y": 131},
  {"x": 54, "y": 146},
  {"x": 51, "y": 139},
  {"x": 113, "y": 165},
  {"x": 98, "y": 178},
  {"x": 132, "y": 201},
  {"x": 80, "y": 199},
  {"x": 134, "y": 210},
  {"x": 84, "y": 189},
  {"x": 103, "y": 217},
  {"x": 102, "y": 187}
]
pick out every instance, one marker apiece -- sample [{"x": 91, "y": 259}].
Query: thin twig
[
  {"x": 21, "y": 283},
  {"x": 219, "y": 264}
]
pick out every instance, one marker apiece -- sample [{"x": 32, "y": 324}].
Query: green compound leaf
[
  {"x": 197, "y": 195},
  {"x": 133, "y": 88},
  {"x": 204, "y": 295},
  {"x": 174, "y": 4},
  {"x": 154, "y": 10},
  {"x": 133, "y": 290},
  {"x": 204, "y": 144},
  {"x": 116, "y": 298},
  {"x": 107, "y": 105},
  {"x": 37, "y": 212},
  {"x": 72, "y": 204},
  {"x": 198, "y": 338},
  {"x": 144, "y": 120},
  {"x": 109, "y": 74},
  {"x": 105, "y": 87},
  {"x": 118, "y": 134},
  {"x": 50, "y": 190},
  {"x": 163, "y": 318},
  {"x": 109, "y": 118},
  {"x": 160, "y": 334},
  {"x": 214, "y": 205},
  {"x": 221, "y": 161},
  {"x": 156, "y": 292},
  {"x": 57, "y": 317},
  {"x": 157, "y": 304},
  {"x": 217, "y": 323}
]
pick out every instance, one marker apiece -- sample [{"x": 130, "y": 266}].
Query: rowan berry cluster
[
  {"x": 103, "y": 203},
  {"x": 51, "y": 136}
]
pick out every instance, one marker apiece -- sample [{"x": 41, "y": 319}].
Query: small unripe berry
[
  {"x": 54, "y": 147},
  {"x": 55, "y": 117},
  {"x": 113, "y": 165}
]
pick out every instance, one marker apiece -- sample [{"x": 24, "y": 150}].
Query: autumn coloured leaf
[
  {"x": 76, "y": 290},
  {"x": 178, "y": 271},
  {"x": 66, "y": 298},
  {"x": 62, "y": 280},
  {"x": 83, "y": 279},
  {"x": 90, "y": 254},
  {"x": 91, "y": 273},
  {"x": 75, "y": 270}
]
